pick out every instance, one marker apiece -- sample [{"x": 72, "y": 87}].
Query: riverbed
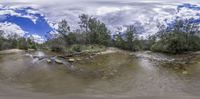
[{"x": 118, "y": 74}]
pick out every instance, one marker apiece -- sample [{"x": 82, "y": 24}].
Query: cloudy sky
[{"x": 147, "y": 14}]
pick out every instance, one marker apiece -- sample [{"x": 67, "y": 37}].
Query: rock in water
[
  {"x": 58, "y": 61},
  {"x": 71, "y": 60},
  {"x": 78, "y": 59},
  {"x": 31, "y": 50},
  {"x": 131, "y": 54},
  {"x": 48, "y": 60},
  {"x": 185, "y": 72}
]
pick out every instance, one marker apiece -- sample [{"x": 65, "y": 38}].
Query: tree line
[
  {"x": 179, "y": 37},
  {"x": 182, "y": 37},
  {"x": 15, "y": 41}
]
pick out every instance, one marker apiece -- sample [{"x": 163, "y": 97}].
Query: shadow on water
[{"x": 141, "y": 74}]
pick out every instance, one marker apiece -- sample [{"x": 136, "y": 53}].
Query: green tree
[
  {"x": 22, "y": 43},
  {"x": 119, "y": 41},
  {"x": 183, "y": 37},
  {"x": 64, "y": 30},
  {"x": 99, "y": 33},
  {"x": 71, "y": 38},
  {"x": 130, "y": 37},
  {"x": 31, "y": 43},
  {"x": 84, "y": 23},
  {"x": 96, "y": 32}
]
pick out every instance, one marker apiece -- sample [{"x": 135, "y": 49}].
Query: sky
[{"x": 39, "y": 17}]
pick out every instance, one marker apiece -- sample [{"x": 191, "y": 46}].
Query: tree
[
  {"x": 31, "y": 43},
  {"x": 1, "y": 39},
  {"x": 84, "y": 22},
  {"x": 64, "y": 30},
  {"x": 104, "y": 37},
  {"x": 22, "y": 44},
  {"x": 119, "y": 41},
  {"x": 184, "y": 36},
  {"x": 71, "y": 38},
  {"x": 130, "y": 37},
  {"x": 96, "y": 32}
]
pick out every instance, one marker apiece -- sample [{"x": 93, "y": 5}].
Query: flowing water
[{"x": 118, "y": 74}]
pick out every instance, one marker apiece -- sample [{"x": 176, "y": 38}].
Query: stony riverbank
[{"x": 11, "y": 51}]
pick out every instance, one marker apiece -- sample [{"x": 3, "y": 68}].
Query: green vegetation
[
  {"x": 85, "y": 48},
  {"x": 92, "y": 32},
  {"x": 14, "y": 41},
  {"x": 96, "y": 32},
  {"x": 182, "y": 37}
]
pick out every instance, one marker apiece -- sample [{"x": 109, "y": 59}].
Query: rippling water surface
[{"x": 120, "y": 74}]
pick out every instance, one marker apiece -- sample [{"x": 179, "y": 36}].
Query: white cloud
[
  {"x": 11, "y": 10},
  {"x": 105, "y": 10},
  {"x": 37, "y": 38},
  {"x": 33, "y": 11},
  {"x": 113, "y": 12},
  {"x": 11, "y": 29}
]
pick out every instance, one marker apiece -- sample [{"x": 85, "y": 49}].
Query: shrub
[
  {"x": 76, "y": 48},
  {"x": 56, "y": 48}
]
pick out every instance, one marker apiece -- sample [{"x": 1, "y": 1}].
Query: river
[{"x": 120, "y": 74}]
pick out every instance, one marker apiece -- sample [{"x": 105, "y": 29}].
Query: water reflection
[{"x": 120, "y": 74}]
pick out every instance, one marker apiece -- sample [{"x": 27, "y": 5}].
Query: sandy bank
[{"x": 10, "y": 51}]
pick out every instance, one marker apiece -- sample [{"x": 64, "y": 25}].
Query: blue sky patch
[{"x": 40, "y": 26}]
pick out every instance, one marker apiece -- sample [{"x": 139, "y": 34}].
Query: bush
[
  {"x": 76, "y": 48},
  {"x": 57, "y": 49},
  {"x": 182, "y": 37},
  {"x": 177, "y": 43},
  {"x": 6, "y": 45}
]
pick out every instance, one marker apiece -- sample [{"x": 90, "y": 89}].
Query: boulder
[
  {"x": 31, "y": 50},
  {"x": 58, "y": 61},
  {"x": 185, "y": 72},
  {"x": 131, "y": 54},
  {"x": 78, "y": 59},
  {"x": 71, "y": 60},
  {"x": 48, "y": 61}
]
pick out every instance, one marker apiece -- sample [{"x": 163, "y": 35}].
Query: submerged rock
[
  {"x": 71, "y": 60},
  {"x": 58, "y": 61},
  {"x": 78, "y": 59},
  {"x": 185, "y": 72},
  {"x": 131, "y": 54},
  {"x": 49, "y": 61},
  {"x": 31, "y": 50}
]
